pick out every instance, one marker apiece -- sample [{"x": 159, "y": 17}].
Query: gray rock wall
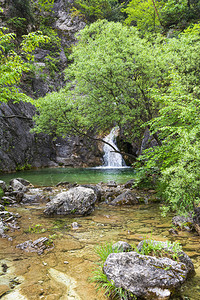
[{"x": 19, "y": 148}]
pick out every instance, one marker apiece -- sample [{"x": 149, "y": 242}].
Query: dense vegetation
[{"x": 136, "y": 65}]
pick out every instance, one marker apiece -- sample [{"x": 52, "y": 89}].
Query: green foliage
[
  {"x": 35, "y": 229},
  {"x": 46, "y": 5},
  {"x": 12, "y": 64},
  {"x": 102, "y": 283},
  {"x": 1, "y": 193},
  {"x": 52, "y": 64},
  {"x": 173, "y": 12},
  {"x": 179, "y": 13},
  {"x": 112, "y": 69},
  {"x": 118, "y": 78},
  {"x": 105, "y": 250},
  {"x": 145, "y": 178},
  {"x": 31, "y": 41},
  {"x": 21, "y": 9},
  {"x": 57, "y": 115},
  {"x": 143, "y": 14},
  {"x": 154, "y": 248},
  {"x": 93, "y": 10},
  {"x": 178, "y": 125},
  {"x": 54, "y": 42},
  {"x": 23, "y": 167},
  {"x": 17, "y": 24}
]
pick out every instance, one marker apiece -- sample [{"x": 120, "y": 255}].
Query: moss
[{"x": 1, "y": 193}]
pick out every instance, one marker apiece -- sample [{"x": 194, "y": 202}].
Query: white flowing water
[{"x": 111, "y": 158}]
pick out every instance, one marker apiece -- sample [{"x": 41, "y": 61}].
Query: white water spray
[{"x": 112, "y": 159}]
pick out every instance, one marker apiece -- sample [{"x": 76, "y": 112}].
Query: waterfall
[{"x": 111, "y": 158}]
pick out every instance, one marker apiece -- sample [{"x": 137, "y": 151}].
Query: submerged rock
[
  {"x": 78, "y": 200},
  {"x": 183, "y": 223},
  {"x": 38, "y": 245},
  {"x": 145, "y": 276}
]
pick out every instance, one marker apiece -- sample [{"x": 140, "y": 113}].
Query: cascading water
[{"x": 112, "y": 159}]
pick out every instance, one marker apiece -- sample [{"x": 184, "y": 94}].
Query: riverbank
[{"x": 69, "y": 256}]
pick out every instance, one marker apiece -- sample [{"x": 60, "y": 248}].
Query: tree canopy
[
  {"x": 130, "y": 74},
  {"x": 119, "y": 78},
  {"x": 112, "y": 70}
]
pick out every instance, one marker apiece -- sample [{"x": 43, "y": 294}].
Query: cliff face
[{"x": 19, "y": 148}]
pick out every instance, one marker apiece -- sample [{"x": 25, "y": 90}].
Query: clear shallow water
[
  {"x": 51, "y": 176},
  {"x": 77, "y": 247}
]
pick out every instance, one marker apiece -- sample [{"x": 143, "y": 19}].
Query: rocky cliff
[{"x": 21, "y": 149}]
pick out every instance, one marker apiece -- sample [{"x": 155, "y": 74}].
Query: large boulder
[
  {"x": 172, "y": 249},
  {"x": 78, "y": 200},
  {"x": 127, "y": 198},
  {"x": 145, "y": 276},
  {"x": 18, "y": 186}
]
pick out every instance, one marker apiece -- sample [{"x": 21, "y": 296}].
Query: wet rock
[
  {"x": 96, "y": 189},
  {"x": 129, "y": 183},
  {"x": 183, "y": 223},
  {"x": 32, "y": 196},
  {"x": 2, "y": 228},
  {"x": 4, "y": 289},
  {"x": 7, "y": 200},
  {"x": 126, "y": 198},
  {"x": 24, "y": 181},
  {"x": 145, "y": 276},
  {"x": 168, "y": 248},
  {"x": 196, "y": 220},
  {"x": 173, "y": 231},
  {"x": 62, "y": 183},
  {"x": 78, "y": 200},
  {"x": 18, "y": 186},
  {"x": 111, "y": 183},
  {"x": 122, "y": 246},
  {"x": 30, "y": 199},
  {"x": 75, "y": 225},
  {"x": 2, "y": 208},
  {"x": 17, "y": 196},
  {"x": 3, "y": 185},
  {"x": 38, "y": 245},
  {"x": 8, "y": 221}
]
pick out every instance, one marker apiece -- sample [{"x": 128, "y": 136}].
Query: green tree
[
  {"x": 144, "y": 14},
  {"x": 12, "y": 64},
  {"x": 178, "y": 124},
  {"x": 110, "y": 77},
  {"x": 92, "y": 10},
  {"x": 179, "y": 13},
  {"x": 21, "y": 9}
]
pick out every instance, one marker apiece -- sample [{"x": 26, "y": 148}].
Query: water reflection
[{"x": 51, "y": 176}]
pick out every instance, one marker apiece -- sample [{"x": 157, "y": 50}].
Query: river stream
[{"x": 63, "y": 272}]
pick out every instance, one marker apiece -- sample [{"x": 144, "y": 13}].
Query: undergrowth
[
  {"x": 149, "y": 247},
  {"x": 100, "y": 279}
]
